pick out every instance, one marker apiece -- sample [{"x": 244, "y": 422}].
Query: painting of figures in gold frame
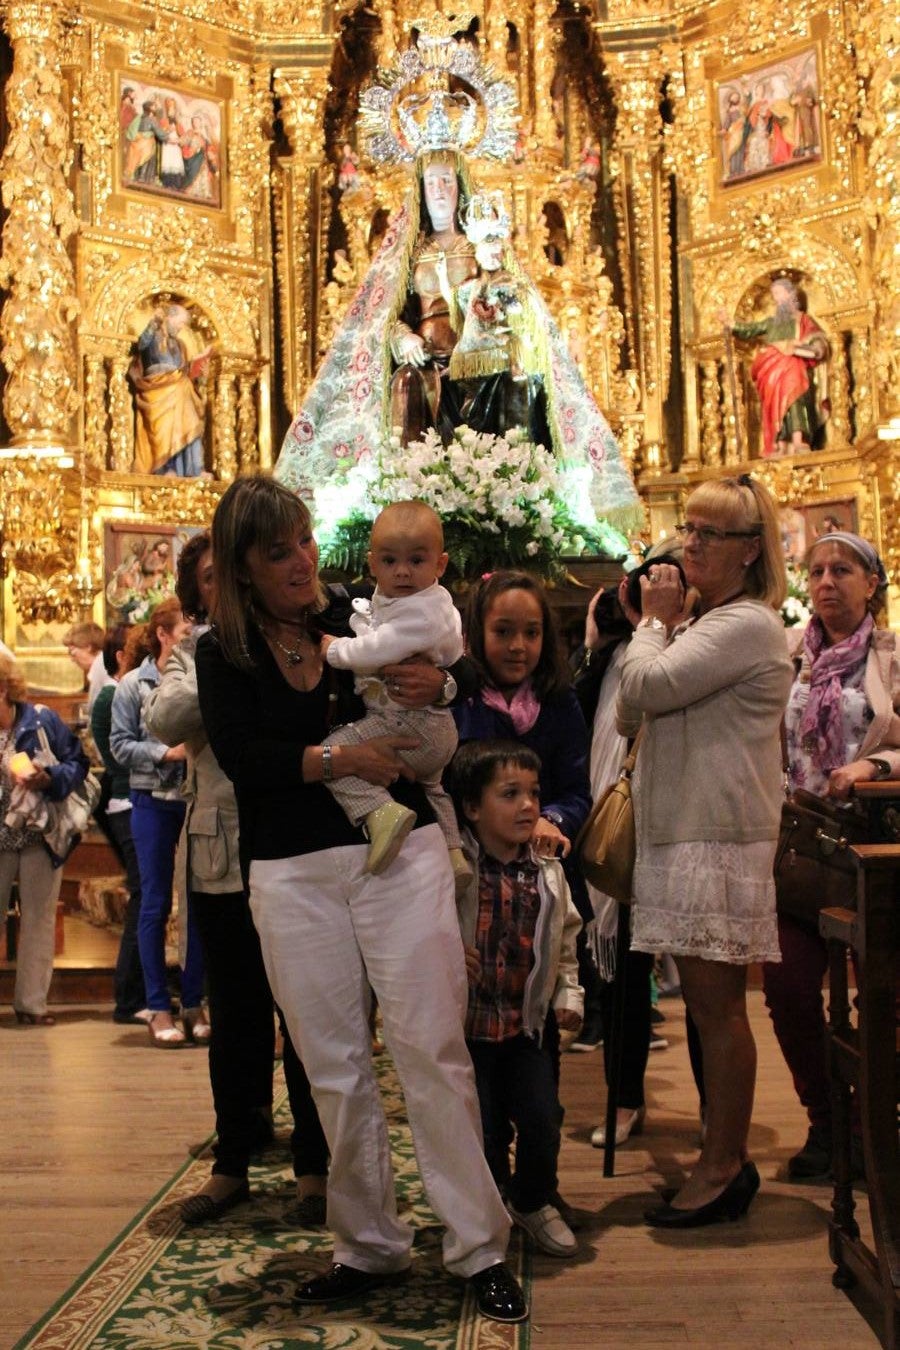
[
  {"x": 170, "y": 142},
  {"x": 804, "y": 523},
  {"x": 769, "y": 118},
  {"x": 139, "y": 566}
]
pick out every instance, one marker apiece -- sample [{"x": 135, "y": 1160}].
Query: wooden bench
[{"x": 864, "y": 1059}]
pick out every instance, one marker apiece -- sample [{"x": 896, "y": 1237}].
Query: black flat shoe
[
  {"x": 498, "y": 1295},
  {"x": 202, "y": 1208},
  {"x": 732, "y": 1203},
  {"x": 343, "y": 1283},
  {"x": 309, "y": 1212},
  {"x": 27, "y": 1019}
]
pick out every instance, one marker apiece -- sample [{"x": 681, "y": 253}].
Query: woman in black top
[{"x": 328, "y": 928}]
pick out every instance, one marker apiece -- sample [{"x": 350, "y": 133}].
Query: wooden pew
[{"x": 864, "y": 1059}]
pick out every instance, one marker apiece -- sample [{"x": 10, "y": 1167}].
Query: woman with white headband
[{"x": 843, "y": 728}]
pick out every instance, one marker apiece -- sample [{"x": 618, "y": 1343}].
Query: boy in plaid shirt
[{"x": 519, "y": 928}]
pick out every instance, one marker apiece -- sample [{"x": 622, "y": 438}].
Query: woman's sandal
[
  {"x": 196, "y": 1027},
  {"x": 27, "y": 1019},
  {"x": 204, "y": 1208},
  {"x": 166, "y": 1038}
]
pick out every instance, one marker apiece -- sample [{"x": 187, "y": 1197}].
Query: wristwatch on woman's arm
[
  {"x": 448, "y": 691},
  {"x": 882, "y": 768}
]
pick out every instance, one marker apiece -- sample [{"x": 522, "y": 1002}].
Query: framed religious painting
[
  {"x": 139, "y": 563},
  {"x": 803, "y": 524},
  {"x": 170, "y": 141},
  {"x": 825, "y": 517},
  {"x": 768, "y": 117}
]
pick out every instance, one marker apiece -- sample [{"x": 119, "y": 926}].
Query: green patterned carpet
[{"x": 228, "y": 1286}]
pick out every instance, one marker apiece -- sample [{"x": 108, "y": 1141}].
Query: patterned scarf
[
  {"x": 821, "y": 727},
  {"x": 523, "y": 708}
]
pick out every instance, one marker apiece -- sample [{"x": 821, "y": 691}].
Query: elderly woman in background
[
  {"x": 242, "y": 1047},
  {"x": 23, "y": 854},
  {"x": 711, "y": 693},
  {"x": 843, "y": 728}
]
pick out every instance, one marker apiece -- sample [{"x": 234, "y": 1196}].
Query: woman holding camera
[{"x": 711, "y": 693}]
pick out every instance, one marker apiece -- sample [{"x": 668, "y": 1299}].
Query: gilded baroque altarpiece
[{"x": 255, "y": 216}]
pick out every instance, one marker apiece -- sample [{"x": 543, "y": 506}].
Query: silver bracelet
[{"x": 327, "y": 767}]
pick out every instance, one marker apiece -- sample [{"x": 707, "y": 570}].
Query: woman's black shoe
[
  {"x": 345, "y": 1283},
  {"x": 732, "y": 1203},
  {"x": 498, "y": 1294}
]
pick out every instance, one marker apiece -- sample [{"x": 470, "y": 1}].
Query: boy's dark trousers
[{"x": 516, "y": 1084}]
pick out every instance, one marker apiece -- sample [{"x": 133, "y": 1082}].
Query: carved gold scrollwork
[
  {"x": 40, "y": 542},
  {"x": 41, "y": 395}
]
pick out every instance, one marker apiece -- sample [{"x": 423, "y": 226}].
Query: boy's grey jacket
[{"x": 553, "y": 979}]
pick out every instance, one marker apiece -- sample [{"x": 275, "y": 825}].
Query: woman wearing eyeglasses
[{"x": 711, "y": 693}]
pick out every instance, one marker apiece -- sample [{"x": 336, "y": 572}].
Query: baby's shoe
[
  {"x": 387, "y": 827},
  {"x": 462, "y": 871}
]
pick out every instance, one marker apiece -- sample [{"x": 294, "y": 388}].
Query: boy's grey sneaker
[
  {"x": 548, "y": 1230},
  {"x": 586, "y": 1041}
]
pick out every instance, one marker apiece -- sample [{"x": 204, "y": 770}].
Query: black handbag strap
[
  {"x": 785, "y": 761},
  {"x": 630, "y": 759}
]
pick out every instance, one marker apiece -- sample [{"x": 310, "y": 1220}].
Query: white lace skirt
[{"x": 704, "y": 898}]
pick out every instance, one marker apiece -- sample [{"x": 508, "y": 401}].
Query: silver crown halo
[{"x": 411, "y": 109}]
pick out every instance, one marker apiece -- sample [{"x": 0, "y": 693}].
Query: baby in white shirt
[{"x": 410, "y": 614}]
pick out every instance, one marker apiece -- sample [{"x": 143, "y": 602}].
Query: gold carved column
[
  {"x": 297, "y": 190},
  {"x": 36, "y": 341},
  {"x": 121, "y": 413},
  {"x": 875, "y": 40},
  {"x": 711, "y": 423},
  {"x": 96, "y": 416},
  {"x": 224, "y": 428},
  {"x": 543, "y": 62},
  {"x": 637, "y": 77},
  {"x": 247, "y": 423}
]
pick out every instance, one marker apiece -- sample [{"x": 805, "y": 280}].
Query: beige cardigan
[
  {"x": 208, "y": 849},
  {"x": 713, "y": 700}
]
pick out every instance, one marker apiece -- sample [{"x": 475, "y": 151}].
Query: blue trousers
[
  {"x": 155, "y": 827},
  {"x": 517, "y": 1085},
  {"x": 128, "y": 980}
]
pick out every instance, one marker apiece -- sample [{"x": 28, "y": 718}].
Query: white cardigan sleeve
[{"x": 718, "y": 651}]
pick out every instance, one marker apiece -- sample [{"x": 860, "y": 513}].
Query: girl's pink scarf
[
  {"x": 822, "y": 724},
  {"x": 523, "y": 708}
]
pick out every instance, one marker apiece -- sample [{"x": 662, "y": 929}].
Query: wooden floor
[{"x": 93, "y": 1120}]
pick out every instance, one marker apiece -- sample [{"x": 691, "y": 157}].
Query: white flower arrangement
[
  {"x": 504, "y": 501},
  {"x": 796, "y": 609}
]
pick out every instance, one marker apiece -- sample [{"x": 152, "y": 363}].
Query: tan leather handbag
[{"x": 607, "y": 843}]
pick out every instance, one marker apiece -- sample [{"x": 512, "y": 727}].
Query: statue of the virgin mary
[{"x": 395, "y": 369}]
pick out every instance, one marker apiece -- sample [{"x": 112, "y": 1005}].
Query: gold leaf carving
[{"x": 36, "y": 341}]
